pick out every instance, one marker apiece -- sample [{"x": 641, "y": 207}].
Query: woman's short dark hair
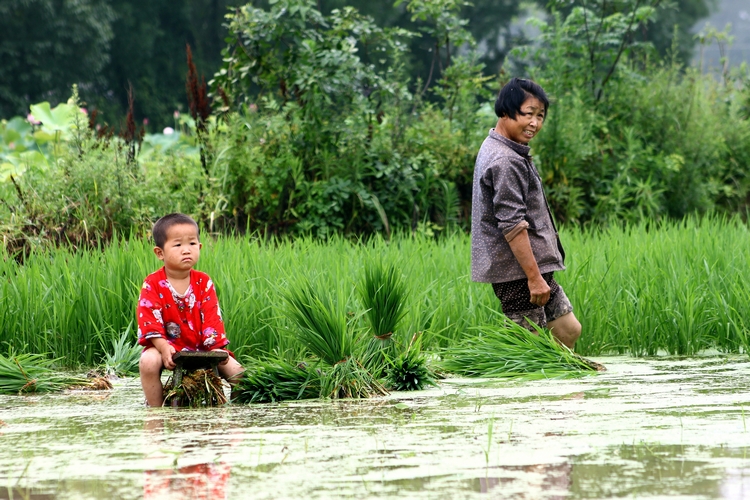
[
  {"x": 513, "y": 95},
  {"x": 163, "y": 225}
]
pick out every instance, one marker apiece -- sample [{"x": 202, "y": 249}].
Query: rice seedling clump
[
  {"x": 323, "y": 328},
  {"x": 198, "y": 388},
  {"x": 277, "y": 380},
  {"x": 512, "y": 351},
  {"x": 409, "y": 372},
  {"x": 34, "y": 373}
]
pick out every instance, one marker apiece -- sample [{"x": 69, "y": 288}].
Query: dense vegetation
[
  {"x": 106, "y": 45},
  {"x": 314, "y": 140},
  {"x": 316, "y": 128},
  {"x": 641, "y": 290}
]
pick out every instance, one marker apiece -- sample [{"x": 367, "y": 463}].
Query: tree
[{"x": 48, "y": 45}]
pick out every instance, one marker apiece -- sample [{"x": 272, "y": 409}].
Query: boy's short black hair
[
  {"x": 513, "y": 95},
  {"x": 162, "y": 226}
]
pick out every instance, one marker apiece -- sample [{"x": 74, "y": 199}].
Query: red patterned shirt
[{"x": 190, "y": 322}]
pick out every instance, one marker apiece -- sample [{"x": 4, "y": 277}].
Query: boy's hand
[
  {"x": 166, "y": 357},
  {"x": 224, "y": 361},
  {"x": 166, "y": 350}
]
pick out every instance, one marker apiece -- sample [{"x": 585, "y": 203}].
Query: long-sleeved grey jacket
[{"x": 508, "y": 198}]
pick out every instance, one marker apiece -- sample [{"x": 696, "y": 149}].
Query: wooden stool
[{"x": 188, "y": 361}]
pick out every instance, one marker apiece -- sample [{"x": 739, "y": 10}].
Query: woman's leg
[{"x": 566, "y": 329}]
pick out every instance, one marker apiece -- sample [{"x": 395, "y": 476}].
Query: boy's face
[
  {"x": 526, "y": 125},
  {"x": 181, "y": 249}
]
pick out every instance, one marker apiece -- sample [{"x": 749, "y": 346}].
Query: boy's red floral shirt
[{"x": 191, "y": 322}]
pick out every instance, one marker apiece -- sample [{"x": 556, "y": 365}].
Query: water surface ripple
[{"x": 657, "y": 428}]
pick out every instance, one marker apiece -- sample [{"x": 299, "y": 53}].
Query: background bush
[{"x": 318, "y": 129}]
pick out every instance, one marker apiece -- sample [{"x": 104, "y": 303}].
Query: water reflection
[
  {"x": 199, "y": 481},
  {"x": 736, "y": 484},
  {"x": 549, "y": 481}
]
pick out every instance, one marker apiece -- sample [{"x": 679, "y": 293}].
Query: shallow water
[{"x": 643, "y": 429}]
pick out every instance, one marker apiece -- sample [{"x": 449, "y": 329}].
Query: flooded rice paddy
[{"x": 659, "y": 428}]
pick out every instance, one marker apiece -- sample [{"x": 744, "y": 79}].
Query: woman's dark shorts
[{"x": 515, "y": 299}]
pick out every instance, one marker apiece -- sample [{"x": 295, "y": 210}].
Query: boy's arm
[
  {"x": 212, "y": 328},
  {"x": 149, "y": 316}
]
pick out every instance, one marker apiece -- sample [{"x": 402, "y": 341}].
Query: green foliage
[
  {"x": 320, "y": 132},
  {"x": 271, "y": 381},
  {"x": 625, "y": 136},
  {"x": 47, "y": 46},
  {"x": 510, "y": 350},
  {"x": 33, "y": 373},
  {"x": 122, "y": 356},
  {"x": 72, "y": 186},
  {"x": 327, "y": 138}
]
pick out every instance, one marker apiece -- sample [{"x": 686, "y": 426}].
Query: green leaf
[{"x": 58, "y": 119}]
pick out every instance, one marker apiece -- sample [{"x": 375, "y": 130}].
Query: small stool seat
[{"x": 187, "y": 361}]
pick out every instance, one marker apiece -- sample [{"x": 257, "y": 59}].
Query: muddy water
[{"x": 646, "y": 428}]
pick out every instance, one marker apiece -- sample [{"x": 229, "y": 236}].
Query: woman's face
[{"x": 527, "y": 123}]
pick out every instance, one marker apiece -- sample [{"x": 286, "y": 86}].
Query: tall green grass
[{"x": 643, "y": 289}]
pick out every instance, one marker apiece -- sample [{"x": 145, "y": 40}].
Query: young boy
[
  {"x": 178, "y": 309},
  {"x": 514, "y": 242}
]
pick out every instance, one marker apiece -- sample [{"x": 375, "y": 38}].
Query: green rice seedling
[
  {"x": 270, "y": 381},
  {"x": 29, "y": 373},
  {"x": 123, "y": 355},
  {"x": 321, "y": 325},
  {"x": 383, "y": 294},
  {"x": 640, "y": 289},
  {"x": 511, "y": 351},
  {"x": 349, "y": 379},
  {"x": 410, "y": 372},
  {"x": 323, "y": 328}
]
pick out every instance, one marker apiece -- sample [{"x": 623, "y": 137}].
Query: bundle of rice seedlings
[
  {"x": 350, "y": 379},
  {"x": 383, "y": 294},
  {"x": 27, "y": 373},
  {"x": 198, "y": 388},
  {"x": 409, "y": 372},
  {"x": 277, "y": 380},
  {"x": 511, "y": 351},
  {"x": 323, "y": 328}
]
